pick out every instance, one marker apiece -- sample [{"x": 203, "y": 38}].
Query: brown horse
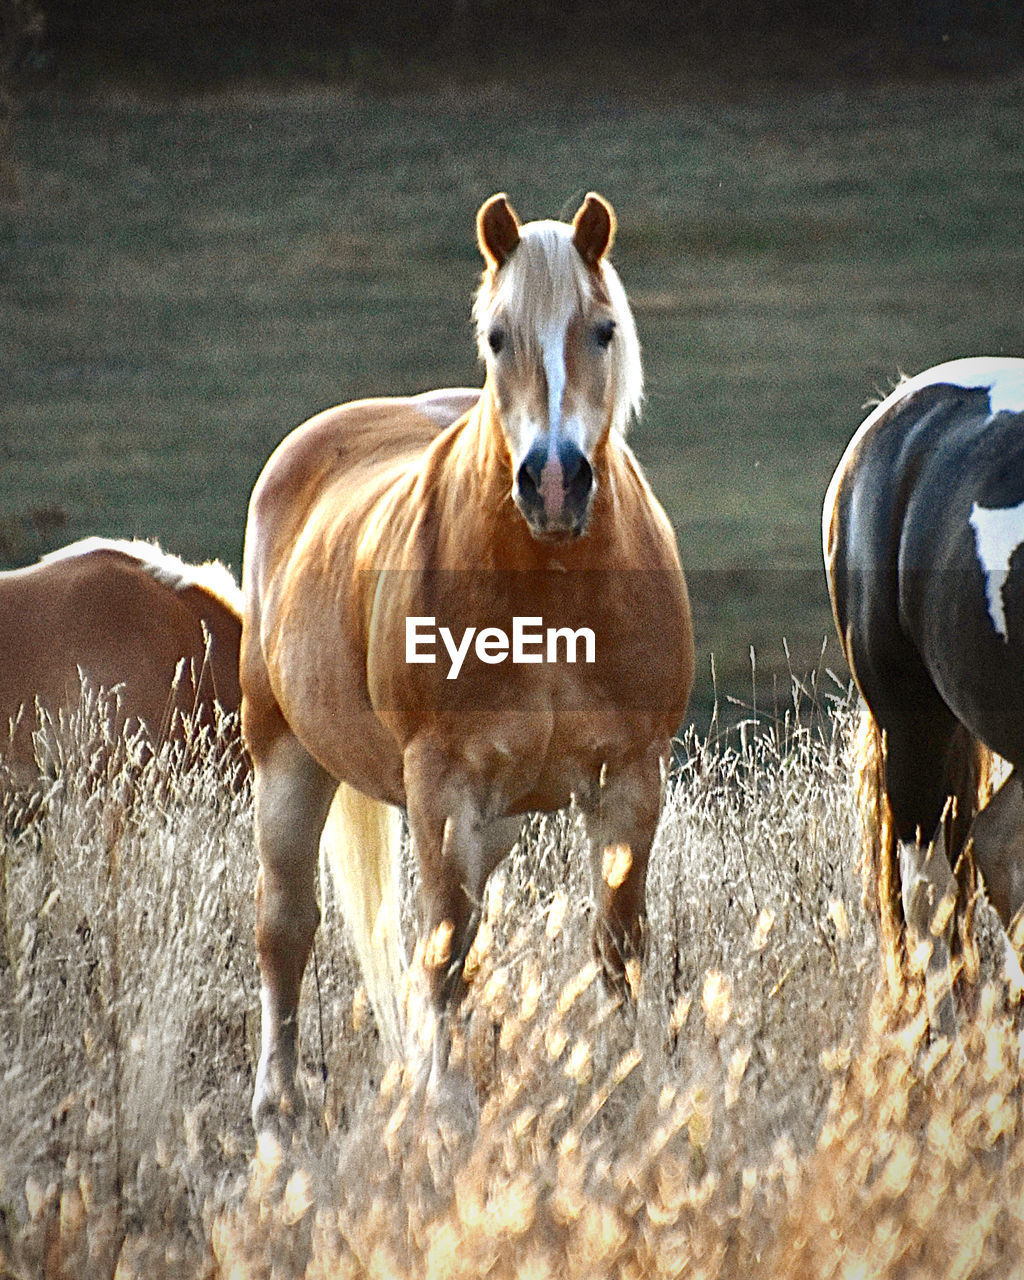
[
  {"x": 116, "y": 615},
  {"x": 471, "y": 622}
]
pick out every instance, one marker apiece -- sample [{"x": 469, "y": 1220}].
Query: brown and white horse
[
  {"x": 468, "y": 605},
  {"x": 117, "y": 615}
]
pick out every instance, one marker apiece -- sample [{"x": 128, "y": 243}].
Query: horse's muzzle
[{"x": 554, "y": 489}]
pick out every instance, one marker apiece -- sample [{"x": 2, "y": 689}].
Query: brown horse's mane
[{"x": 211, "y": 577}]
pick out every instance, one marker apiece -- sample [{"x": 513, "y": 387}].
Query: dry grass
[{"x": 767, "y": 1111}]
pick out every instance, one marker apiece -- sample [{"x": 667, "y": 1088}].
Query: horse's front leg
[
  {"x": 458, "y": 842},
  {"x": 621, "y": 822},
  {"x": 292, "y": 795}
]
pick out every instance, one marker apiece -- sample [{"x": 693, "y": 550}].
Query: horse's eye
[
  {"x": 604, "y": 331},
  {"x": 496, "y": 338}
]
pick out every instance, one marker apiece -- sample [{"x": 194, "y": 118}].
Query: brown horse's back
[
  {"x": 355, "y": 446},
  {"x": 115, "y": 615}
]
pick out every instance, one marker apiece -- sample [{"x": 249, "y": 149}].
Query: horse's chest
[
  {"x": 533, "y": 695},
  {"x": 540, "y": 757}
]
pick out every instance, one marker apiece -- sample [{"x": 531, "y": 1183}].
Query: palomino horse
[
  {"x": 379, "y": 545},
  {"x": 922, "y": 526},
  {"x": 119, "y": 615}
]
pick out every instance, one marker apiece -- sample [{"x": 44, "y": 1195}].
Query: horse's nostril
[
  {"x": 579, "y": 479},
  {"x": 528, "y": 485},
  {"x": 530, "y": 473}
]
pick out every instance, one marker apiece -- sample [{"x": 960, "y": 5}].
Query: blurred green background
[{"x": 189, "y": 267}]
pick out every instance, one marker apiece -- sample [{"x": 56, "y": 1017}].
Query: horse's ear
[
  {"x": 593, "y": 229},
  {"x": 497, "y": 230}
]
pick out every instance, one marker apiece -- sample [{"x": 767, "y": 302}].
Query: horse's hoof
[
  {"x": 620, "y": 975},
  {"x": 277, "y": 1114},
  {"x": 454, "y": 1100}
]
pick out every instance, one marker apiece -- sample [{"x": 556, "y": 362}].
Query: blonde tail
[
  {"x": 362, "y": 841},
  {"x": 879, "y": 860}
]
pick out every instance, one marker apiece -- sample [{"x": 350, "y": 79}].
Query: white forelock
[{"x": 541, "y": 287}]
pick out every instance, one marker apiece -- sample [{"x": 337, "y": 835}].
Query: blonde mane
[
  {"x": 211, "y": 577},
  {"x": 541, "y": 287}
]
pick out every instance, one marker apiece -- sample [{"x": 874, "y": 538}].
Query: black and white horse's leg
[
  {"x": 930, "y": 782},
  {"x": 998, "y": 836},
  {"x": 998, "y": 844},
  {"x": 929, "y": 900}
]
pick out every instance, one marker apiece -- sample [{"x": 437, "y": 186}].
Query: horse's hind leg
[
  {"x": 998, "y": 836},
  {"x": 928, "y": 761},
  {"x": 292, "y": 796},
  {"x": 929, "y": 896}
]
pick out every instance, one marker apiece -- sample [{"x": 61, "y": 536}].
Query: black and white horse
[{"x": 923, "y": 534}]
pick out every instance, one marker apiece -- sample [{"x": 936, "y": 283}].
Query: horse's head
[{"x": 563, "y": 360}]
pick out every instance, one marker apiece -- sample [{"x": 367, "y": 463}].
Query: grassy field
[
  {"x": 188, "y": 278},
  {"x": 770, "y": 1110}
]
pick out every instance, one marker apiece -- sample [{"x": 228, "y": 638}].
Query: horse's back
[
  {"x": 922, "y": 600},
  {"x": 106, "y": 615},
  {"x": 355, "y": 443}
]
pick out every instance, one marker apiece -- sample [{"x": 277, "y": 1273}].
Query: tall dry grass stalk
[{"x": 768, "y": 1110}]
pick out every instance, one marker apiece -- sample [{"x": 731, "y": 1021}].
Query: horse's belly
[
  {"x": 321, "y": 694},
  {"x": 989, "y": 701}
]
